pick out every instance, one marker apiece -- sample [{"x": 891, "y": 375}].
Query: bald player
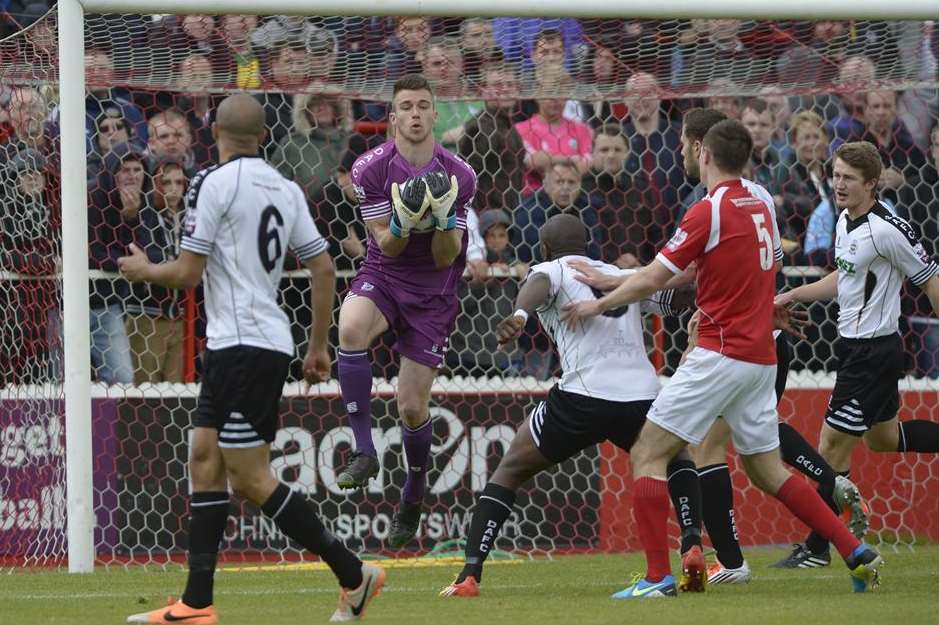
[
  {"x": 241, "y": 217},
  {"x": 590, "y": 403}
]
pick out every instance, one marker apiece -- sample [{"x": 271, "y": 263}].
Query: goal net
[{"x": 604, "y": 95}]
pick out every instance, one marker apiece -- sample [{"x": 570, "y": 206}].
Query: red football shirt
[{"x": 733, "y": 236}]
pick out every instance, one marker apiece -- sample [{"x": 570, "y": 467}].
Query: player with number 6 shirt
[{"x": 241, "y": 216}]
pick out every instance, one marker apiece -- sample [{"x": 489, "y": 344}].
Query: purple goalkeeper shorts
[{"x": 422, "y": 322}]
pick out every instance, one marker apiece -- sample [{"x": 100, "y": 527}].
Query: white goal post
[{"x": 75, "y": 274}]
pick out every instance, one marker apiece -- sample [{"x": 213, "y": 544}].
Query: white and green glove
[
  {"x": 409, "y": 202},
  {"x": 442, "y": 192}
]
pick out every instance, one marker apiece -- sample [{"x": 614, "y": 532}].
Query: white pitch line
[{"x": 612, "y": 584}]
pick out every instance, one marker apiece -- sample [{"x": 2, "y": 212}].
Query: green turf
[{"x": 566, "y": 590}]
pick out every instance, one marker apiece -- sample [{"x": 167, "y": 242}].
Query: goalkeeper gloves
[
  {"x": 442, "y": 192},
  {"x": 409, "y": 202}
]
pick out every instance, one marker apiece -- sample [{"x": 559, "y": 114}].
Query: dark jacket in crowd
[
  {"x": 156, "y": 232},
  {"x": 108, "y": 233},
  {"x": 496, "y": 152}
]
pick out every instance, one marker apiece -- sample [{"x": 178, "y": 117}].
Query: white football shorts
[{"x": 710, "y": 385}]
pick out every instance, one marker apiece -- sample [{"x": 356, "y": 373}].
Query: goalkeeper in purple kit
[{"x": 413, "y": 196}]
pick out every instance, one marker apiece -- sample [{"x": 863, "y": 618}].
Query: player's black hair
[
  {"x": 412, "y": 82},
  {"x": 697, "y": 121},
  {"x": 730, "y": 144},
  {"x": 563, "y": 233}
]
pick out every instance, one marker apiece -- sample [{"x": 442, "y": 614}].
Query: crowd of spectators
[{"x": 555, "y": 115}]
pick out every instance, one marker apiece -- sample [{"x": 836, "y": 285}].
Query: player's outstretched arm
[
  {"x": 638, "y": 286},
  {"x": 594, "y": 278},
  {"x": 826, "y": 288},
  {"x": 534, "y": 292},
  {"x": 322, "y": 298},
  {"x": 380, "y": 229},
  {"x": 185, "y": 272}
]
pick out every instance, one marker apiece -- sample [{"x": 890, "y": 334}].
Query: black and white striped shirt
[
  {"x": 874, "y": 254},
  {"x": 244, "y": 215}
]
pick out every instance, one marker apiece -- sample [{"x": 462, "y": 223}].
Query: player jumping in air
[
  {"x": 732, "y": 236},
  {"x": 413, "y": 195}
]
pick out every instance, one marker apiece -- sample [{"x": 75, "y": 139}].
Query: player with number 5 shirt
[{"x": 732, "y": 237}]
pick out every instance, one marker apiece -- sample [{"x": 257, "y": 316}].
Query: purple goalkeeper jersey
[{"x": 414, "y": 268}]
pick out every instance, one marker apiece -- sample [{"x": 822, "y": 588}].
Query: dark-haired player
[{"x": 413, "y": 195}]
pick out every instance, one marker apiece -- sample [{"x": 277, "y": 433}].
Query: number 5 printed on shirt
[{"x": 765, "y": 240}]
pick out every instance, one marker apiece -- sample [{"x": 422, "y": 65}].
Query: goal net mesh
[{"x": 605, "y": 95}]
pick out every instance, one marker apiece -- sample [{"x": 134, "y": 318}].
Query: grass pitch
[{"x": 570, "y": 589}]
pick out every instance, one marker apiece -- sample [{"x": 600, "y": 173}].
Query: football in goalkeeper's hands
[{"x": 413, "y": 193}]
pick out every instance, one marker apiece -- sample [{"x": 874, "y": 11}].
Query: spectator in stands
[
  {"x": 154, "y": 320},
  {"x": 290, "y": 66},
  {"x": 110, "y": 130},
  {"x": 115, "y": 201},
  {"x": 167, "y": 41},
  {"x": 322, "y": 47},
  {"x": 729, "y": 105},
  {"x": 319, "y": 135},
  {"x": 710, "y": 49},
  {"x": 516, "y": 37},
  {"x": 655, "y": 151},
  {"x": 174, "y": 37},
  {"x": 494, "y": 227},
  {"x": 200, "y": 34},
  {"x": 548, "y": 57},
  {"x": 442, "y": 65},
  {"x": 551, "y": 139},
  {"x": 171, "y": 137},
  {"x": 194, "y": 76},
  {"x": 900, "y": 154},
  {"x": 778, "y": 105},
  {"x": 604, "y": 75},
  {"x": 561, "y": 193},
  {"x": 278, "y": 29},
  {"x": 289, "y": 76},
  {"x": 39, "y": 35},
  {"x": 101, "y": 94},
  {"x": 856, "y": 76},
  {"x": 485, "y": 300},
  {"x": 817, "y": 61},
  {"x": 478, "y": 45},
  {"x": 334, "y": 209},
  {"x": 412, "y": 33},
  {"x": 758, "y": 119},
  {"x": 802, "y": 186},
  {"x": 6, "y": 131},
  {"x": 491, "y": 144},
  {"x": 29, "y": 231},
  {"x": 920, "y": 207},
  {"x": 548, "y": 72},
  {"x": 845, "y": 111},
  {"x": 620, "y": 200},
  {"x": 918, "y": 107},
  {"x": 240, "y": 65},
  {"x": 28, "y": 127}
]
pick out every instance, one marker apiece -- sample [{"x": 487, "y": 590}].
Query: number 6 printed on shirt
[{"x": 765, "y": 241}]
